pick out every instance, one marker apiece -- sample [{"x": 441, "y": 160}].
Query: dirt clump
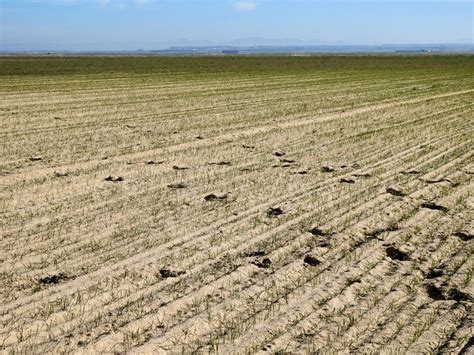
[
  {"x": 328, "y": 169},
  {"x": 456, "y": 295},
  {"x": 167, "y": 273},
  {"x": 464, "y": 235},
  {"x": 154, "y": 162},
  {"x": 363, "y": 175},
  {"x": 177, "y": 167},
  {"x": 178, "y": 185},
  {"x": 61, "y": 174},
  {"x": 436, "y": 181},
  {"x": 453, "y": 294},
  {"x": 434, "y": 273},
  {"x": 318, "y": 231},
  {"x": 274, "y": 211},
  {"x": 215, "y": 197},
  {"x": 263, "y": 264},
  {"x": 347, "y": 180},
  {"x": 434, "y": 292},
  {"x": 112, "y": 178},
  {"x": 395, "y": 191},
  {"x": 434, "y": 206},
  {"x": 53, "y": 279},
  {"x": 250, "y": 254},
  {"x": 222, "y": 162},
  {"x": 411, "y": 172},
  {"x": 311, "y": 260},
  {"x": 396, "y": 254}
]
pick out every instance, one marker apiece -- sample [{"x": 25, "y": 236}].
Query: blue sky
[{"x": 148, "y": 24}]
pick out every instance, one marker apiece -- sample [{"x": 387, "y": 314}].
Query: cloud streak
[{"x": 244, "y": 5}]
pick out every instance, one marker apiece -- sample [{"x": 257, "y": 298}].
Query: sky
[{"x": 156, "y": 24}]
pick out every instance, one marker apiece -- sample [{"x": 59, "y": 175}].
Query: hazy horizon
[{"x": 82, "y": 25}]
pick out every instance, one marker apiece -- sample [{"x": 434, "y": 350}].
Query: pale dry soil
[{"x": 183, "y": 253}]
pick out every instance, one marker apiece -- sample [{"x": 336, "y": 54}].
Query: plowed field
[{"x": 237, "y": 204}]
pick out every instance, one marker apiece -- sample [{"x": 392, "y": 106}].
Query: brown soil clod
[
  {"x": 199, "y": 137},
  {"x": 311, "y": 260},
  {"x": 347, "y": 180},
  {"x": 288, "y": 161},
  {"x": 279, "y": 153},
  {"x": 178, "y": 185},
  {"x": 263, "y": 264},
  {"x": 114, "y": 178},
  {"x": 434, "y": 206},
  {"x": 167, "y": 273},
  {"x": 36, "y": 158},
  {"x": 302, "y": 172},
  {"x": 222, "y": 162},
  {"x": 154, "y": 162},
  {"x": 246, "y": 146},
  {"x": 130, "y": 126},
  {"x": 214, "y": 197},
  {"x": 396, "y": 254},
  {"x": 434, "y": 292},
  {"x": 53, "y": 279},
  {"x": 395, "y": 191},
  {"x": 436, "y": 181},
  {"x": 60, "y": 174},
  {"x": 319, "y": 232},
  {"x": 177, "y": 167},
  {"x": 464, "y": 235},
  {"x": 274, "y": 211},
  {"x": 363, "y": 175},
  {"x": 455, "y": 295},
  {"x": 328, "y": 169},
  {"x": 324, "y": 244},
  {"x": 250, "y": 254},
  {"x": 411, "y": 172},
  {"x": 434, "y": 273}
]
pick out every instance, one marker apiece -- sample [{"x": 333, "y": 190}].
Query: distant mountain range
[
  {"x": 260, "y": 46},
  {"x": 301, "y": 49}
]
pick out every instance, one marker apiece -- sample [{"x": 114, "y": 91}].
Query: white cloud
[{"x": 244, "y": 5}]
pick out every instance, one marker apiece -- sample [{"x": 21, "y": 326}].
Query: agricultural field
[{"x": 237, "y": 204}]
